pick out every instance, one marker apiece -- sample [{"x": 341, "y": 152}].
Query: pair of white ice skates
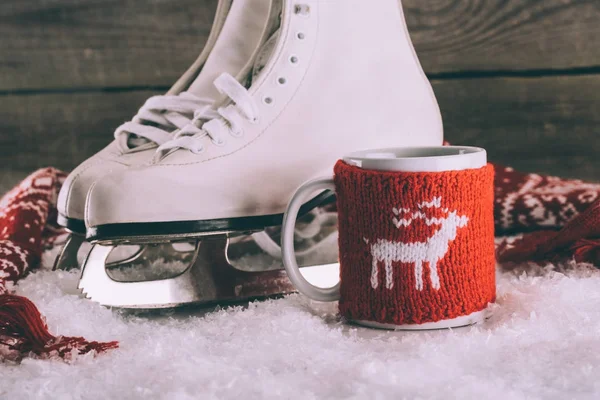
[{"x": 201, "y": 176}]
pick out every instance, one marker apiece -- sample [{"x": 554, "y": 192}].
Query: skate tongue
[
  {"x": 248, "y": 25},
  {"x": 264, "y": 54}
]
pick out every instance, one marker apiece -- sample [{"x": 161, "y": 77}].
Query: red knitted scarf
[
  {"x": 27, "y": 227},
  {"x": 561, "y": 219}
]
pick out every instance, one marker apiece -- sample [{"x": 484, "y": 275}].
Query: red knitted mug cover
[{"x": 415, "y": 247}]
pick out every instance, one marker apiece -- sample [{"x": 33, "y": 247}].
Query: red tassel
[{"x": 22, "y": 323}]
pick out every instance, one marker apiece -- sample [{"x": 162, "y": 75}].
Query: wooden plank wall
[{"x": 519, "y": 77}]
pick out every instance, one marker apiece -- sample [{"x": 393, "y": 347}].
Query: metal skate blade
[
  {"x": 67, "y": 258},
  {"x": 209, "y": 279},
  {"x": 167, "y": 253}
]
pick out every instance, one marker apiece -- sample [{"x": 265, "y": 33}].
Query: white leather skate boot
[
  {"x": 343, "y": 76},
  {"x": 237, "y": 34}
]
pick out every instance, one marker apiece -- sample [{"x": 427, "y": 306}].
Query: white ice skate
[
  {"x": 342, "y": 76},
  {"x": 238, "y": 32}
]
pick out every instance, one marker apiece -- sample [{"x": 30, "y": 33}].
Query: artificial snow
[{"x": 543, "y": 342}]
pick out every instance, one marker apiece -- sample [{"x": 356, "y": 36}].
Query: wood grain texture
[
  {"x": 57, "y": 44},
  {"x": 510, "y": 35},
  {"x": 61, "y": 130},
  {"x": 66, "y": 44},
  {"x": 549, "y": 125}
]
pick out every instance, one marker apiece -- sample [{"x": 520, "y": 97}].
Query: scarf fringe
[{"x": 24, "y": 331}]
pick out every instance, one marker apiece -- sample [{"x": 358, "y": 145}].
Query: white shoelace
[
  {"x": 161, "y": 115},
  {"x": 225, "y": 120}
]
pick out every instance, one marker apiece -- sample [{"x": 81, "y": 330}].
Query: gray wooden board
[
  {"x": 498, "y": 35},
  {"x": 57, "y": 44},
  {"x": 66, "y": 44},
  {"x": 61, "y": 130},
  {"x": 549, "y": 124}
]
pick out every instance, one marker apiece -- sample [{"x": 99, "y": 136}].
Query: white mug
[{"x": 399, "y": 169}]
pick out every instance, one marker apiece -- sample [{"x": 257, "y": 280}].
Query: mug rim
[
  {"x": 364, "y": 154},
  {"x": 419, "y": 158}
]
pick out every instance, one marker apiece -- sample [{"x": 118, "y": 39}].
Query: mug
[{"x": 416, "y": 237}]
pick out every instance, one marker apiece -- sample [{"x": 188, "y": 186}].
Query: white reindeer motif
[{"x": 430, "y": 251}]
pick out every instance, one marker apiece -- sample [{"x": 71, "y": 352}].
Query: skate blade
[
  {"x": 144, "y": 258},
  {"x": 128, "y": 256},
  {"x": 67, "y": 258},
  {"x": 210, "y": 279}
]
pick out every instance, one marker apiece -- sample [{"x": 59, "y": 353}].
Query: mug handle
[{"x": 287, "y": 243}]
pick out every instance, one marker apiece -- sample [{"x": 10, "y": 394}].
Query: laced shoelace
[
  {"x": 226, "y": 120},
  {"x": 161, "y": 115}
]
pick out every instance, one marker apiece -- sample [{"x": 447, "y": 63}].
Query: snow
[{"x": 543, "y": 341}]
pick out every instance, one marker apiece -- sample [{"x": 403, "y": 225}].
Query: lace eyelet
[
  {"x": 268, "y": 100},
  {"x": 301, "y": 35},
  {"x": 219, "y": 143},
  {"x": 294, "y": 60},
  {"x": 237, "y": 134},
  {"x": 302, "y": 9},
  {"x": 281, "y": 80},
  {"x": 254, "y": 121},
  {"x": 198, "y": 150}
]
